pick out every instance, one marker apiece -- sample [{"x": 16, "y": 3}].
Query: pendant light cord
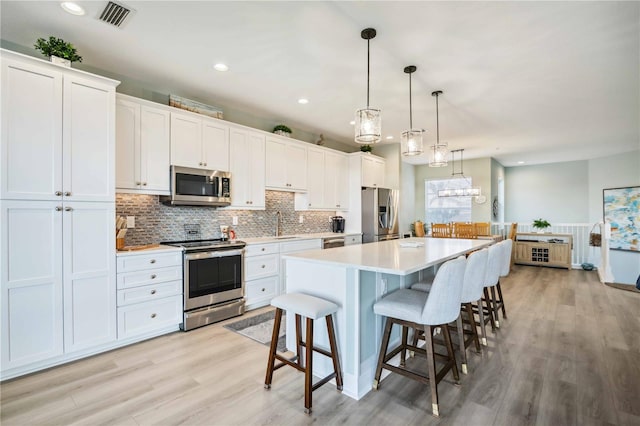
[
  {"x": 437, "y": 122},
  {"x": 368, "y": 72},
  {"x": 410, "y": 108}
]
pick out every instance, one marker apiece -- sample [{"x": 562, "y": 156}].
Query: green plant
[
  {"x": 365, "y": 148},
  {"x": 541, "y": 224},
  {"x": 282, "y": 128},
  {"x": 58, "y": 47}
]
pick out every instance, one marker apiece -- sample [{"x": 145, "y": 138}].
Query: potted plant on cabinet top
[
  {"x": 365, "y": 148},
  {"x": 282, "y": 130},
  {"x": 59, "y": 51},
  {"x": 541, "y": 225}
]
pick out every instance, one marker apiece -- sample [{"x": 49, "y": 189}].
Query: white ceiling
[{"x": 537, "y": 82}]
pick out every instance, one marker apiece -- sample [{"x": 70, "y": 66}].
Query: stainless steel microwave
[{"x": 198, "y": 187}]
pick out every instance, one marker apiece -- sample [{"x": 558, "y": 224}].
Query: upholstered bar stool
[
  {"x": 419, "y": 310},
  {"x": 312, "y": 308},
  {"x": 505, "y": 268},
  {"x": 492, "y": 275}
]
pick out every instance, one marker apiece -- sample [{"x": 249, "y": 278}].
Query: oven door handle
[{"x": 212, "y": 254}]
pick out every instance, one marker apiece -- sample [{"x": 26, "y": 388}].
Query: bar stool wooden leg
[
  {"x": 383, "y": 352},
  {"x": 403, "y": 352},
  {"x": 487, "y": 301},
  {"x": 334, "y": 351},
  {"x": 272, "y": 349},
  {"x": 504, "y": 311},
  {"x": 299, "y": 340},
  {"x": 494, "y": 306},
  {"x": 483, "y": 324},
  {"x": 474, "y": 328},
  {"x": 463, "y": 351},
  {"x": 308, "y": 370},
  {"x": 431, "y": 361},
  {"x": 452, "y": 357}
]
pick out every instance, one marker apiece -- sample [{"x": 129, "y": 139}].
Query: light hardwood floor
[{"x": 569, "y": 354}]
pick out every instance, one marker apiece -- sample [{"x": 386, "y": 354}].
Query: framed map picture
[{"x": 622, "y": 211}]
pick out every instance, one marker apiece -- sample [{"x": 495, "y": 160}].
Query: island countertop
[{"x": 393, "y": 257}]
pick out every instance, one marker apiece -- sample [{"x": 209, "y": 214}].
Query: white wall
[
  {"x": 557, "y": 192},
  {"x": 615, "y": 172}
]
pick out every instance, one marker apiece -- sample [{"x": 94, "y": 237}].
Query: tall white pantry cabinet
[{"x": 57, "y": 208}]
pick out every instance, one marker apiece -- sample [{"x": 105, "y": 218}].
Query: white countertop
[
  {"x": 158, "y": 249},
  {"x": 296, "y": 237},
  {"x": 389, "y": 257}
]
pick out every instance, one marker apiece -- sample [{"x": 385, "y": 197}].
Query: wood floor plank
[{"x": 567, "y": 354}]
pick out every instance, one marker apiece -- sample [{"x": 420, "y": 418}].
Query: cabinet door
[
  {"x": 240, "y": 167},
  {"x": 31, "y": 282},
  {"x": 215, "y": 145},
  {"x": 368, "y": 170},
  {"x": 154, "y": 149},
  {"x": 560, "y": 254},
  {"x": 317, "y": 196},
  {"x": 89, "y": 275},
  {"x": 88, "y": 141},
  {"x": 296, "y": 156},
  {"x": 257, "y": 165},
  {"x": 379, "y": 171},
  {"x": 127, "y": 144},
  {"x": 186, "y": 141},
  {"x": 276, "y": 163},
  {"x": 31, "y": 151},
  {"x": 342, "y": 182}
]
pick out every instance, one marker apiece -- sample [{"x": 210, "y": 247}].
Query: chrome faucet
[{"x": 278, "y": 220}]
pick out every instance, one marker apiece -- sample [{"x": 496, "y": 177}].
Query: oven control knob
[
  {"x": 263, "y": 289},
  {"x": 263, "y": 266},
  {"x": 153, "y": 276},
  {"x": 153, "y": 292},
  {"x": 152, "y": 261},
  {"x": 153, "y": 315},
  {"x": 262, "y": 248}
]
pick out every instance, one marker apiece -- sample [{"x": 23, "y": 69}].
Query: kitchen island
[{"x": 355, "y": 277}]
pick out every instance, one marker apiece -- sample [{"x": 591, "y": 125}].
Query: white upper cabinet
[
  {"x": 201, "y": 143},
  {"x": 327, "y": 177},
  {"x": 316, "y": 179},
  {"x": 247, "y": 166},
  {"x": 58, "y": 132},
  {"x": 286, "y": 163},
  {"x": 142, "y": 147},
  {"x": 373, "y": 171}
]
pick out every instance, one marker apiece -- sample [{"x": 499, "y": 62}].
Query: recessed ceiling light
[
  {"x": 72, "y": 8},
  {"x": 221, "y": 67},
  {"x": 389, "y": 137},
  {"x": 520, "y": 162},
  {"x": 352, "y": 122},
  {"x": 303, "y": 101}
]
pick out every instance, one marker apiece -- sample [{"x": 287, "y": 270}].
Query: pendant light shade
[
  {"x": 368, "y": 123},
  {"x": 438, "y": 153},
  {"x": 411, "y": 140}
]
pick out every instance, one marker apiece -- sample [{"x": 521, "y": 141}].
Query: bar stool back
[
  {"x": 312, "y": 308},
  {"x": 492, "y": 275},
  {"x": 419, "y": 310}
]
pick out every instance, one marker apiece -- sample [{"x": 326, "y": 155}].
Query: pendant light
[
  {"x": 411, "y": 140},
  {"x": 469, "y": 191},
  {"x": 368, "y": 126},
  {"x": 438, "y": 153}
]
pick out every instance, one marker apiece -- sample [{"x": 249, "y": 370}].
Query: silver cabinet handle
[
  {"x": 58, "y": 193},
  {"x": 263, "y": 289},
  {"x": 200, "y": 163},
  {"x": 153, "y": 276},
  {"x": 58, "y": 208},
  {"x": 153, "y": 292},
  {"x": 262, "y": 248},
  {"x": 263, "y": 266},
  {"x": 152, "y": 261},
  {"x": 205, "y": 164},
  {"x": 137, "y": 183},
  {"x": 144, "y": 183},
  {"x": 67, "y": 194},
  {"x": 153, "y": 315},
  {"x": 68, "y": 209}
]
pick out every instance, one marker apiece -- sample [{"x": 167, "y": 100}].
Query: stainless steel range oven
[{"x": 213, "y": 281}]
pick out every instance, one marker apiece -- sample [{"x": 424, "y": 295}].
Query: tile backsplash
[{"x": 156, "y": 222}]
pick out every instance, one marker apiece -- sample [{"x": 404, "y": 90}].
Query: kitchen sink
[{"x": 285, "y": 238}]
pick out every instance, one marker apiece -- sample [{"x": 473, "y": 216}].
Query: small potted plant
[
  {"x": 282, "y": 130},
  {"x": 59, "y": 51},
  {"x": 541, "y": 224},
  {"x": 365, "y": 148}
]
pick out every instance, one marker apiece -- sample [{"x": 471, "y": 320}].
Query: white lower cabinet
[
  {"x": 149, "y": 293},
  {"x": 57, "y": 293},
  {"x": 261, "y": 269}
]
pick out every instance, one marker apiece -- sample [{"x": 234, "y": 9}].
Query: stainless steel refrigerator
[{"x": 379, "y": 214}]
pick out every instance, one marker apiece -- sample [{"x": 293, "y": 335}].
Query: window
[{"x": 446, "y": 209}]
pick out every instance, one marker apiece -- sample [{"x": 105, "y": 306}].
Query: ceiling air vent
[{"x": 114, "y": 14}]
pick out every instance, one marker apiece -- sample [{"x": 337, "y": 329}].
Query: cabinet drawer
[
  {"x": 151, "y": 276},
  {"x": 260, "y": 249},
  {"x": 149, "y": 292},
  {"x": 260, "y": 266},
  {"x": 264, "y": 288},
  {"x": 148, "y": 261},
  {"x": 293, "y": 246},
  {"x": 352, "y": 239},
  {"x": 149, "y": 316}
]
